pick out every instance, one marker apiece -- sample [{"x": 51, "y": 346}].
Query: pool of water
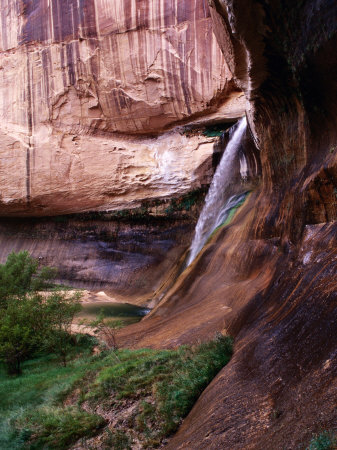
[{"x": 126, "y": 312}]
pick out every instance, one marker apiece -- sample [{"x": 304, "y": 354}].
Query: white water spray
[{"x": 217, "y": 207}]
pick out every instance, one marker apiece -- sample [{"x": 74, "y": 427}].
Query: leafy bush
[
  {"x": 20, "y": 331},
  {"x": 20, "y": 275},
  {"x": 323, "y": 441},
  {"x": 30, "y": 321},
  {"x": 60, "y": 310}
]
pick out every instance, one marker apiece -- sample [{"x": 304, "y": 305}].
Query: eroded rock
[
  {"x": 269, "y": 278},
  {"x": 73, "y": 74}
]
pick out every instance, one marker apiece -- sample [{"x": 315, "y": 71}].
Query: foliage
[
  {"x": 323, "y": 441},
  {"x": 60, "y": 312},
  {"x": 20, "y": 274},
  {"x": 185, "y": 202},
  {"x": 106, "y": 329},
  {"x": 57, "y": 428},
  {"x": 28, "y": 400},
  {"x": 162, "y": 386},
  {"x": 20, "y": 330},
  {"x": 29, "y": 320},
  {"x": 165, "y": 383},
  {"x": 216, "y": 130},
  {"x": 187, "y": 383}
]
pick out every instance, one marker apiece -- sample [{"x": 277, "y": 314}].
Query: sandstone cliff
[
  {"x": 129, "y": 254},
  {"x": 269, "y": 278},
  {"x": 78, "y": 78}
]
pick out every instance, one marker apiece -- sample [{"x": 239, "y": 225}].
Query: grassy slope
[
  {"x": 25, "y": 399},
  {"x": 157, "y": 387}
]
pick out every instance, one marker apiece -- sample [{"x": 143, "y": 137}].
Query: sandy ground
[
  {"x": 83, "y": 329},
  {"x": 93, "y": 297}
]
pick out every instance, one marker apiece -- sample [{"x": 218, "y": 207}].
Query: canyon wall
[
  {"x": 87, "y": 86},
  {"x": 80, "y": 131},
  {"x": 269, "y": 278},
  {"x": 128, "y": 254}
]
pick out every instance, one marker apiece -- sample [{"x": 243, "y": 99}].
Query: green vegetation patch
[
  {"x": 31, "y": 409},
  {"x": 217, "y": 130},
  {"x": 154, "y": 211},
  {"x": 136, "y": 395},
  {"x": 148, "y": 391},
  {"x": 323, "y": 441},
  {"x": 230, "y": 216},
  {"x": 58, "y": 428},
  {"x": 163, "y": 385},
  {"x": 31, "y": 321}
]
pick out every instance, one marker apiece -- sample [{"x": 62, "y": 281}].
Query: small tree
[
  {"x": 20, "y": 330},
  {"x": 60, "y": 311},
  {"x": 107, "y": 329},
  {"x": 20, "y": 275},
  {"x": 30, "y": 321}
]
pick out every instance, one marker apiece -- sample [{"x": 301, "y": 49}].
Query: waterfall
[{"x": 217, "y": 206}]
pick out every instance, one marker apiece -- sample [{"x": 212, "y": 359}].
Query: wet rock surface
[
  {"x": 269, "y": 278},
  {"x": 128, "y": 254}
]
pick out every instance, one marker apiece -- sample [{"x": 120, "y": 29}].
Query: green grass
[
  {"x": 165, "y": 384},
  {"x": 162, "y": 386},
  {"x": 26, "y": 402},
  {"x": 59, "y": 427}
]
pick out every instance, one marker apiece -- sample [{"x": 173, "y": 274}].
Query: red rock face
[
  {"x": 127, "y": 66},
  {"x": 78, "y": 77},
  {"x": 269, "y": 278}
]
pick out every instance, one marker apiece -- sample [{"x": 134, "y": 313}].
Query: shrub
[
  {"x": 323, "y": 441},
  {"x": 20, "y": 275},
  {"x": 106, "y": 328},
  {"x": 60, "y": 310},
  {"x": 30, "y": 321},
  {"x": 20, "y": 331}
]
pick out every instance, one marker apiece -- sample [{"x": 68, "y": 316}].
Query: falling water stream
[{"x": 218, "y": 203}]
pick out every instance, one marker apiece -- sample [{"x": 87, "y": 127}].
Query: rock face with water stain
[
  {"x": 128, "y": 253},
  {"x": 78, "y": 76},
  {"x": 269, "y": 279}
]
